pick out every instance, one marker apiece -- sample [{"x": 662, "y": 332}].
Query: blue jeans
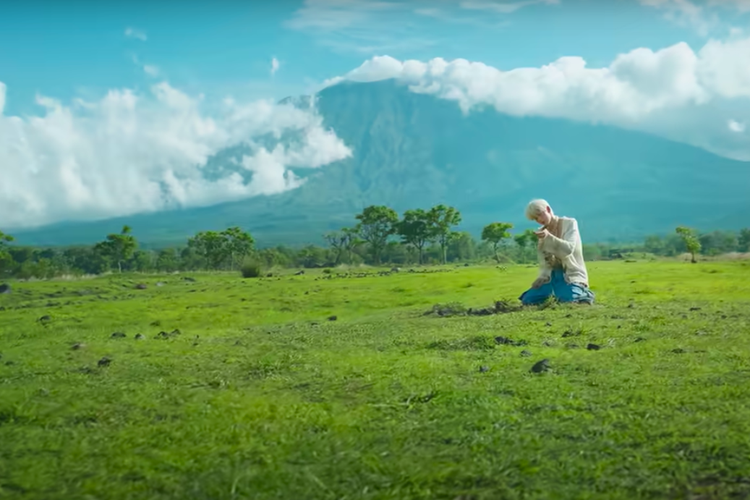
[{"x": 561, "y": 289}]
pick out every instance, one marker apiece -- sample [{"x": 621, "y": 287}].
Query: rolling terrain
[{"x": 413, "y": 150}]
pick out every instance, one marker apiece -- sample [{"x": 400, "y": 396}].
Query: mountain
[{"x": 413, "y": 150}]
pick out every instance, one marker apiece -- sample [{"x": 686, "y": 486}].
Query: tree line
[{"x": 378, "y": 236}]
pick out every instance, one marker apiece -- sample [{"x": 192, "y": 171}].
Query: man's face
[{"x": 544, "y": 217}]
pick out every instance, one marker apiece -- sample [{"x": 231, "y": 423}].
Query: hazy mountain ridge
[{"x": 413, "y": 150}]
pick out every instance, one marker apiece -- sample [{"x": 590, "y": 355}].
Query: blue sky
[
  {"x": 113, "y": 108},
  {"x": 64, "y": 49}
]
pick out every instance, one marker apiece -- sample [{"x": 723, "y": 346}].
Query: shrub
[{"x": 251, "y": 269}]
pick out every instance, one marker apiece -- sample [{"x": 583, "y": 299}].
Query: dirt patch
[{"x": 458, "y": 309}]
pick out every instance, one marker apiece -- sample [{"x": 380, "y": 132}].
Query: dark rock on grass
[
  {"x": 165, "y": 335},
  {"x": 678, "y": 351},
  {"x": 139, "y": 336},
  {"x": 77, "y": 346},
  {"x": 118, "y": 335},
  {"x": 507, "y": 341},
  {"x": 484, "y": 369},
  {"x": 525, "y": 353},
  {"x": 9, "y": 363},
  {"x": 332, "y": 318},
  {"x": 45, "y": 318},
  {"x": 548, "y": 324},
  {"x": 5, "y": 288},
  {"x": 300, "y": 272},
  {"x": 541, "y": 366},
  {"x": 105, "y": 361},
  {"x": 593, "y": 347},
  {"x": 640, "y": 339},
  {"x": 156, "y": 323},
  {"x": 141, "y": 286},
  {"x": 188, "y": 278},
  {"x": 695, "y": 308},
  {"x": 571, "y": 333}
]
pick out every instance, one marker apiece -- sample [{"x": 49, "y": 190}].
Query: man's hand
[
  {"x": 541, "y": 233},
  {"x": 538, "y": 283}
]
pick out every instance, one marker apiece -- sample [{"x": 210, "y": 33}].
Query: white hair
[{"x": 536, "y": 207}]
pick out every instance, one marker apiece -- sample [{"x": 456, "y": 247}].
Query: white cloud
[
  {"x": 666, "y": 92},
  {"x": 151, "y": 70},
  {"x": 503, "y": 7},
  {"x": 128, "y": 153},
  {"x": 704, "y": 17},
  {"x": 135, "y": 33},
  {"x": 735, "y": 126},
  {"x": 274, "y": 66}
]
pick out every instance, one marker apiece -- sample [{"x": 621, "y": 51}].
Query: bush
[{"x": 251, "y": 269}]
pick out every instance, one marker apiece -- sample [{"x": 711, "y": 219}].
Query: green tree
[
  {"x": 743, "y": 241},
  {"x": 211, "y": 247},
  {"x": 462, "y": 247},
  {"x": 495, "y": 233},
  {"x": 342, "y": 242},
  {"x": 376, "y": 224},
  {"x": 118, "y": 247},
  {"x": 654, "y": 244},
  {"x": 691, "y": 241},
  {"x": 526, "y": 242},
  {"x": 442, "y": 218},
  {"x": 167, "y": 260},
  {"x": 6, "y": 261},
  {"x": 239, "y": 244},
  {"x": 415, "y": 229}
]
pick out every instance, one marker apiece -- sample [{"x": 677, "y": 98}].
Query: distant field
[{"x": 263, "y": 395}]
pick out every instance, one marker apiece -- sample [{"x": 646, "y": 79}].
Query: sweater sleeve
[{"x": 562, "y": 247}]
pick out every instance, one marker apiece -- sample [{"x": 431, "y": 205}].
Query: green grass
[{"x": 261, "y": 396}]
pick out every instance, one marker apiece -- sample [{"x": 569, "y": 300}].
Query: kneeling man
[{"x": 562, "y": 271}]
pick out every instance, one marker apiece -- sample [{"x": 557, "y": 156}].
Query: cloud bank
[
  {"x": 128, "y": 153},
  {"x": 675, "y": 92}
]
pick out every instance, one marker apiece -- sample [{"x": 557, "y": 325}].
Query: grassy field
[{"x": 263, "y": 394}]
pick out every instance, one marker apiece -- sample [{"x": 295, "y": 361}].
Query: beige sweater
[{"x": 563, "y": 248}]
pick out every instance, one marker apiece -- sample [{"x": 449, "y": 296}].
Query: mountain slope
[{"x": 413, "y": 150}]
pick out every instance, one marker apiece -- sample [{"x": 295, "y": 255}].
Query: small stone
[
  {"x": 695, "y": 308},
  {"x": 548, "y": 324},
  {"x": 678, "y": 351},
  {"x": 105, "y": 361},
  {"x": 44, "y": 318},
  {"x": 77, "y": 346},
  {"x": 541, "y": 366},
  {"x": 5, "y": 288},
  {"x": 141, "y": 286},
  {"x": 640, "y": 339},
  {"x": 332, "y": 318},
  {"x": 525, "y": 353},
  {"x": 139, "y": 336},
  {"x": 483, "y": 369},
  {"x": 593, "y": 347},
  {"x": 118, "y": 335}
]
